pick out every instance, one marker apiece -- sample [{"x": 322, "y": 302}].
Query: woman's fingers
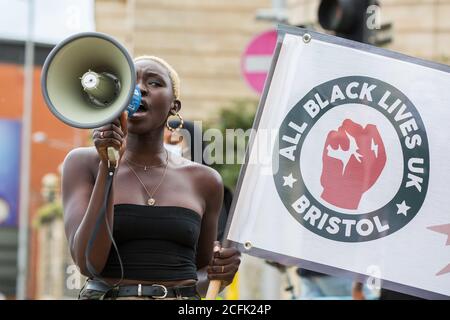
[
  {"x": 111, "y": 127},
  {"x": 225, "y": 274},
  {"x": 106, "y": 138},
  {"x": 226, "y": 261},
  {"x": 124, "y": 122},
  {"x": 225, "y": 269},
  {"x": 109, "y": 134},
  {"x": 225, "y": 253},
  {"x": 108, "y": 142}
]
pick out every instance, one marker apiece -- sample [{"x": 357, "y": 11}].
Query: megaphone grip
[{"x": 113, "y": 155}]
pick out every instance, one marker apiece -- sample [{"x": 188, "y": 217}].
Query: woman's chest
[{"x": 157, "y": 189}]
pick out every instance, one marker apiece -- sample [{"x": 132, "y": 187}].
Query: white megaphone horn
[{"x": 88, "y": 80}]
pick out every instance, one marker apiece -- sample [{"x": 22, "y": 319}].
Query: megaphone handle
[{"x": 113, "y": 156}]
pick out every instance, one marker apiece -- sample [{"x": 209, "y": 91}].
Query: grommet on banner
[
  {"x": 307, "y": 38},
  {"x": 248, "y": 245}
]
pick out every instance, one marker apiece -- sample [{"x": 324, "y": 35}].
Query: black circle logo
[{"x": 352, "y": 161}]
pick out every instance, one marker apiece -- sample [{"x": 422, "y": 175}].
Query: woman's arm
[
  {"x": 214, "y": 262},
  {"x": 203, "y": 281},
  {"x": 211, "y": 188},
  {"x": 83, "y": 196}
]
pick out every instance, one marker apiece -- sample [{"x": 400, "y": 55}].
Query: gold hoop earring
[{"x": 179, "y": 126}]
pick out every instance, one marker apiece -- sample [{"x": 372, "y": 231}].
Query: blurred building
[
  {"x": 45, "y": 155},
  {"x": 202, "y": 39},
  {"x": 50, "y": 139},
  {"x": 420, "y": 28},
  {"x": 9, "y": 199}
]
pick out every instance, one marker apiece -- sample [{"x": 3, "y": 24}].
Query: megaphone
[{"x": 88, "y": 80}]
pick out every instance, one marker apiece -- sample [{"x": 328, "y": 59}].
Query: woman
[{"x": 163, "y": 209}]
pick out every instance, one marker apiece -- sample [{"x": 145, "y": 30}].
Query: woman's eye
[{"x": 153, "y": 83}]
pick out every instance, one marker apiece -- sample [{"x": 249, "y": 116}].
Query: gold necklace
[
  {"x": 143, "y": 166},
  {"x": 151, "y": 200}
]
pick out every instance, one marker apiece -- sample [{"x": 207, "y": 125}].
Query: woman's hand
[
  {"x": 224, "y": 264},
  {"x": 111, "y": 135}
]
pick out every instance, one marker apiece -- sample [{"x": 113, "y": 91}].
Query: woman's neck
[{"x": 147, "y": 149}]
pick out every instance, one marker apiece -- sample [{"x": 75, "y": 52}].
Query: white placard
[{"x": 358, "y": 170}]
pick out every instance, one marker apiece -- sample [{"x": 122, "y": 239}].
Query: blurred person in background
[
  {"x": 359, "y": 293},
  {"x": 320, "y": 286},
  {"x": 163, "y": 210},
  {"x": 316, "y": 286},
  {"x": 183, "y": 142}
]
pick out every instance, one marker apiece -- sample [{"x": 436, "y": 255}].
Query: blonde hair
[{"x": 173, "y": 75}]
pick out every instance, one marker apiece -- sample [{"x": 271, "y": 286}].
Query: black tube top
[{"x": 155, "y": 243}]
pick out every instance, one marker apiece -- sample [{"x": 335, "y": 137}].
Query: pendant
[{"x": 151, "y": 201}]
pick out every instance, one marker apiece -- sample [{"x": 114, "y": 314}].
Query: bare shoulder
[
  {"x": 206, "y": 178},
  {"x": 81, "y": 159}
]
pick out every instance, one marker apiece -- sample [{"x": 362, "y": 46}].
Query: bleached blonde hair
[{"x": 173, "y": 75}]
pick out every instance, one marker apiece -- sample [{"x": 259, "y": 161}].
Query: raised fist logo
[{"x": 353, "y": 159}]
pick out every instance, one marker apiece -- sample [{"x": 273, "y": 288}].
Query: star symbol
[
  {"x": 402, "y": 208},
  {"x": 444, "y": 271},
  {"x": 444, "y": 229},
  {"x": 289, "y": 180}
]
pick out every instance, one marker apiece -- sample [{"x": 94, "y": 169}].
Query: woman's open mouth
[{"x": 141, "y": 111}]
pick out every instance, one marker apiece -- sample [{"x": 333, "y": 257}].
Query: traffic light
[{"x": 356, "y": 20}]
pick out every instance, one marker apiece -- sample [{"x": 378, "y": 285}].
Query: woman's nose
[{"x": 142, "y": 88}]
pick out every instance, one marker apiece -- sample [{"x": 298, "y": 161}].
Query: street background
[{"x": 207, "y": 42}]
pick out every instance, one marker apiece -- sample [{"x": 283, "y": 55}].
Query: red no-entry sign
[{"x": 256, "y": 59}]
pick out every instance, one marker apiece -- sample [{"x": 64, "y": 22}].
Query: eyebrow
[{"x": 148, "y": 74}]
